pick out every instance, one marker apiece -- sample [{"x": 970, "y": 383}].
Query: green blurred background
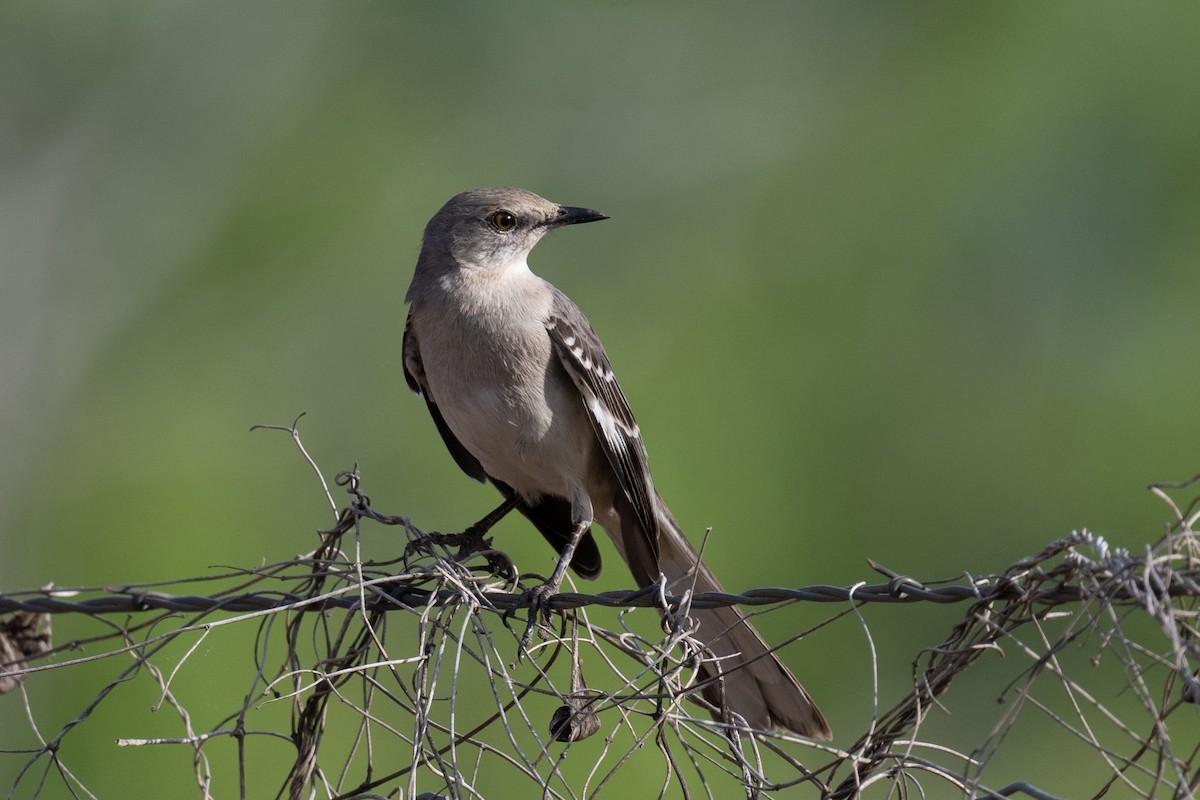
[{"x": 914, "y": 283}]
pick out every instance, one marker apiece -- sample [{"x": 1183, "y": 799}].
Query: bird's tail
[{"x": 753, "y": 683}]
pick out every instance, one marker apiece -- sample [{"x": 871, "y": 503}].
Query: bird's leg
[
  {"x": 539, "y": 596},
  {"x": 564, "y": 559},
  {"x": 484, "y": 525},
  {"x": 470, "y": 541}
]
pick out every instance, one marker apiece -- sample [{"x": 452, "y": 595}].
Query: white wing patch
[
  {"x": 584, "y": 361},
  {"x": 610, "y": 427}
]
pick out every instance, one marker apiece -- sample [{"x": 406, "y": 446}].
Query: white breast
[{"x": 508, "y": 400}]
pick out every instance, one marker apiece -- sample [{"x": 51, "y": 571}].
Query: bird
[{"x": 524, "y": 396}]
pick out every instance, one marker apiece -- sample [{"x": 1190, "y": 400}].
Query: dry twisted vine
[{"x": 405, "y": 653}]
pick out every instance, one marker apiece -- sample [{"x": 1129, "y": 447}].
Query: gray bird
[{"x": 523, "y": 394}]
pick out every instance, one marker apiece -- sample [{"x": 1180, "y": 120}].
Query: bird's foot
[
  {"x": 538, "y": 599},
  {"x": 460, "y": 547},
  {"x": 471, "y": 541}
]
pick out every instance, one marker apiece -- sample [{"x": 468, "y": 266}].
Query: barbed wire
[
  {"x": 395, "y": 592},
  {"x": 333, "y": 645}
]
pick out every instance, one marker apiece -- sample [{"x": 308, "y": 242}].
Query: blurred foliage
[{"x": 914, "y": 283}]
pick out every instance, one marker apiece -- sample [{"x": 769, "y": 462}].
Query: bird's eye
[{"x": 504, "y": 221}]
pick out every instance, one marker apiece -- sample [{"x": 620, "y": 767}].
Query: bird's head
[{"x": 494, "y": 229}]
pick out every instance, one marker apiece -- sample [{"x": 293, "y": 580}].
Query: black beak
[{"x": 571, "y": 215}]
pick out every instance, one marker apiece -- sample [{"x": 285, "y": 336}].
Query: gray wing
[{"x": 580, "y": 351}]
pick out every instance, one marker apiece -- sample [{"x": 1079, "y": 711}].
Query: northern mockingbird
[{"x": 523, "y": 394}]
